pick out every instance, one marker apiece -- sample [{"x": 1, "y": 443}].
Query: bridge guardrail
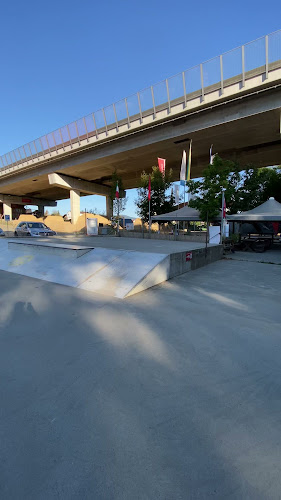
[{"x": 237, "y": 65}]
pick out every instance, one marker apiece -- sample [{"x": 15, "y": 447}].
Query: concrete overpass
[{"x": 232, "y": 101}]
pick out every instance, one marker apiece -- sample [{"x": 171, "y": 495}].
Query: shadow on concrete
[{"x": 172, "y": 394}]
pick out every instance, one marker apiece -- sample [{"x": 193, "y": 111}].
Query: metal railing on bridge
[{"x": 254, "y": 58}]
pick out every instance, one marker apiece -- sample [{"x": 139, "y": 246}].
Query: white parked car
[{"x": 33, "y": 229}]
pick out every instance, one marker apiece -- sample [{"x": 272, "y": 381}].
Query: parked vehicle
[
  {"x": 33, "y": 229},
  {"x": 2, "y": 232}
]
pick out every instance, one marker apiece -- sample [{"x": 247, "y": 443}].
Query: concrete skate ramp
[
  {"x": 65, "y": 251},
  {"x": 117, "y": 273}
]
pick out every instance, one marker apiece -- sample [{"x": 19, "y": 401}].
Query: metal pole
[
  {"x": 127, "y": 110},
  {"x": 168, "y": 95},
  {"x": 42, "y": 147},
  {"x": 55, "y": 141},
  {"x": 77, "y": 133},
  {"x": 221, "y": 68},
  {"x": 85, "y": 125},
  {"x": 96, "y": 130},
  {"x": 178, "y": 224},
  {"x": 207, "y": 235},
  {"x": 243, "y": 66},
  {"x": 61, "y": 139},
  {"x": 67, "y": 128},
  {"x": 153, "y": 102},
  {"x": 139, "y": 107},
  {"x": 104, "y": 117},
  {"x": 116, "y": 120},
  {"x": 118, "y": 211},
  {"x": 184, "y": 88},
  {"x": 184, "y": 206},
  {"x": 222, "y": 206},
  {"x": 202, "y": 82},
  {"x": 149, "y": 218},
  {"x": 46, "y": 137},
  {"x": 266, "y": 57}
]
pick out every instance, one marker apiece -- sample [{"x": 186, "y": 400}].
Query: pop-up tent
[
  {"x": 182, "y": 214},
  {"x": 269, "y": 211}
]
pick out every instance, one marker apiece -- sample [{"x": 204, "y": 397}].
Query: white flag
[
  {"x": 183, "y": 168},
  {"x": 211, "y": 155},
  {"x": 177, "y": 194}
]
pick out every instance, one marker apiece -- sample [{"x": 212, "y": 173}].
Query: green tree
[
  {"x": 161, "y": 202},
  {"x": 257, "y": 185},
  {"x": 244, "y": 189},
  {"x": 222, "y": 174},
  {"x": 122, "y": 201}
]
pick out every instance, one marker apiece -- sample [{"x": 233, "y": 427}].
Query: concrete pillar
[
  {"x": 74, "y": 205},
  {"x": 41, "y": 210},
  {"x": 109, "y": 207},
  {"x": 7, "y": 209}
]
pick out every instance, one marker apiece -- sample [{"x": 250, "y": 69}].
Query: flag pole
[
  {"x": 183, "y": 225},
  {"x": 222, "y": 215},
  {"x": 149, "y": 207},
  {"x": 118, "y": 211},
  {"x": 149, "y": 218}
]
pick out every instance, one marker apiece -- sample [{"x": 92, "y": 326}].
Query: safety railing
[{"x": 238, "y": 65}]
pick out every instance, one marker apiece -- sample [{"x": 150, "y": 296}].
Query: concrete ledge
[
  {"x": 197, "y": 236},
  {"x": 182, "y": 262},
  {"x": 66, "y": 251}
]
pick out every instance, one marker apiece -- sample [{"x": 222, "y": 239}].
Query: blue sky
[{"x": 62, "y": 60}]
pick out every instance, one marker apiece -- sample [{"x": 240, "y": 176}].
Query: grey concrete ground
[
  {"x": 270, "y": 256},
  {"x": 172, "y": 394},
  {"x": 139, "y": 244}
]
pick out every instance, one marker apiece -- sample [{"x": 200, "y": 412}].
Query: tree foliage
[
  {"x": 244, "y": 189},
  {"x": 161, "y": 202},
  {"x": 207, "y": 191}
]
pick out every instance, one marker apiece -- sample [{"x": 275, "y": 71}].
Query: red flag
[
  {"x": 117, "y": 191},
  {"x": 149, "y": 189},
  {"x": 224, "y": 209},
  {"x": 162, "y": 165}
]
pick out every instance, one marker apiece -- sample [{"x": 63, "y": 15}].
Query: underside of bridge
[{"x": 246, "y": 130}]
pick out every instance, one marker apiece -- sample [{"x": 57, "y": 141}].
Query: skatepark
[{"x": 117, "y": 267}]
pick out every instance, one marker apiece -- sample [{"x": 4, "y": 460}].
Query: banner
[
  {"x": 211, "y": 155},
  {"x": 189, "y": 162},
  {"x": 183, "y": 169},
  {"x": 162, "y": 165},
  {"x": 224, "y": 210}
]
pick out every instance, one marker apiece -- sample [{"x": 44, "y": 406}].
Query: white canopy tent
[
  {"x": 269, "y": 211},
  {"x": 182, "y": 214}
]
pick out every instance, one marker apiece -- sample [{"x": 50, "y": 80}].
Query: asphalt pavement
[{"x": 171, "y": 394}]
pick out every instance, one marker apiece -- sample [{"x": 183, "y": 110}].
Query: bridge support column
[
  {"x": 74, "y": 205},
  {"x": 41, "y": 210},
  {"x": 109, "y": 207},
  {"x": 7, "y": 209}
]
